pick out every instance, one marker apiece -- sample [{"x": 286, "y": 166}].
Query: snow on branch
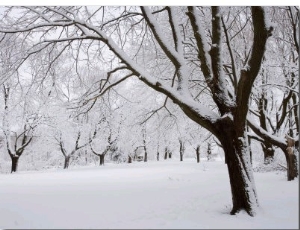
[
  {"x": 33, "y": 27},
  {"x": 196, "y": 111},
  {"x": 175, "y": 55},
  {"x": 280, "y": 142},
  {"x": 250, "y": 72},
  {"x": 71, "y": 38},
  {"x": 202, "y": 44},
  {"x": 164, "y": 44}
]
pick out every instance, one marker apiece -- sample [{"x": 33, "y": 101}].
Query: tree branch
[{"x": 250, "y": 71}]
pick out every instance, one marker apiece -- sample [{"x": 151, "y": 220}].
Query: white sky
[{"x": 156, "y": 2}]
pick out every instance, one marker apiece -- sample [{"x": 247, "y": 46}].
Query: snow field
[{"x": 164, "y": 194}]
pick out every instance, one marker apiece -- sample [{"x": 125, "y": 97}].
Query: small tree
[
  {"x": 198, "y": 153},
  {"x": 16, "y": 140},
  {"x": 111, "y": 147},
  {"x": 181, "y": 149},
  {"x": 166, "y": 153},
  {"x": 209, "y": 156},
  {"x": 68, "y": 155}
]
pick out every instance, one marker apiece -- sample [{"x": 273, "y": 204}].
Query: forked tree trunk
[
  {"x": 198, "y": 153},
  {"x": 67, "y": 162},
  {"x": 242, "y": 184},
  {"x": 14, "y": 163}
]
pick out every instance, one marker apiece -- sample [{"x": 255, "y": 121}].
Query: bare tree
[{"x": 111, "y": 147}]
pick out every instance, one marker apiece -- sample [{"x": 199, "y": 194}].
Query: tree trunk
[
  {"x": 67, "y": 162},
  {"x": 14, "y": 163},
  {"x": 198, "y": 154},
  {"x": 157, "y": 156},
  {"x": 86, "y": 157},
  {"x": 166, "y": 154},
  {"x": 249, "y": 144},
  {"x": 145, "y": 154},
  {"x": 208, "y": 151},
  {"x": 170, "y": 154},
  {"x": 129, "y": 159},
  {"x": 291, "y": 159},
  {"x": 181, "y": 150},
  {"x": 268, "y": 152},
  {"x": 292, "y": 167},
  {"x": 240, "y": 171},
  {"x": 101, "y": 158}
]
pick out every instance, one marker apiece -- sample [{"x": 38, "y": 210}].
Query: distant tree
[
  {"x": 198, "y": 153},
  {"x": 181, "y": 149},
  {"x": 209, "y": 156},
  {"x": 18, "y": 131}
]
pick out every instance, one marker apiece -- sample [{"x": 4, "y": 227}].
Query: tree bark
[
  {"x": 145, "y": 154},
  {"x": 181, "y": 150},
  {"x": 292, "y": 163},
  {"x": 67, "y": 162},
  {"x": 101, "y": 159},
  {"x": 198, "y": 153},
  {"x": 208, "y": 151},
  {"x": 166, "y": 153},
  {"x": 268, "y": 152},
  {"x": 14, "y": 163},
  {"x": 249, "y": 144},
  {"x": 239, "y": 168},
  {"x": 129, "y": 159}
]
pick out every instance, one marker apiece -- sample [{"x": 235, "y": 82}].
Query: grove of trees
[{"x": 118, "y": 82}]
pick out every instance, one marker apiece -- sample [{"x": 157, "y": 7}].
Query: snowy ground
[{"x": 165, "y": 194}]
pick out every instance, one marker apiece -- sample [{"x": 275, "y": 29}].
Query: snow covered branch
[
  {"x": 280, "y": 142},
  {"x": 249, "y": 73}
]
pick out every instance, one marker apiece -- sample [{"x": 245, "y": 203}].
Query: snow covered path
[{"x": 165, "y": 194}]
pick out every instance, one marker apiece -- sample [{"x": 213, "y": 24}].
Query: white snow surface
[{"x": 164, "y": 194}]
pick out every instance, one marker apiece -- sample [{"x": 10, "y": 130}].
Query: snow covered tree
[
  {"x": 19, "y": 123},
  {"x": 277, "y": 100},
  {"x": 187, "y": 42}
]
